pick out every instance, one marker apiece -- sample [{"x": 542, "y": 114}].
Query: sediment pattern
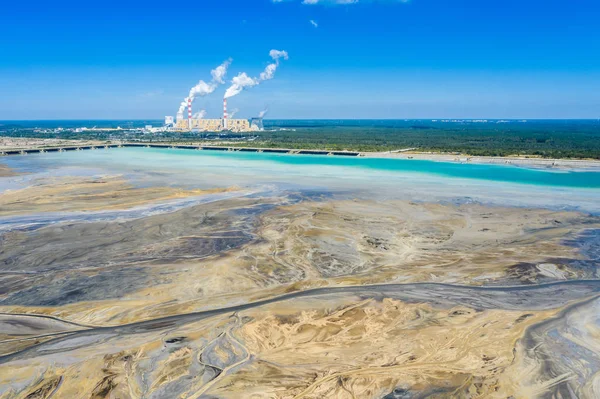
[{"x": 112, "y": 290}]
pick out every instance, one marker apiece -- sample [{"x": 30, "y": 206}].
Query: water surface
[{"x": 378, "y": 177}]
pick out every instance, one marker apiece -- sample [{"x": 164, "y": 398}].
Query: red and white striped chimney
[
  {"x": 225, "y": 114},
  {"x": 190, "y": 113}
]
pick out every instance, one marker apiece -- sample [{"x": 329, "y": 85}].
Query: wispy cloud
[{"x": 314, "y": 23}]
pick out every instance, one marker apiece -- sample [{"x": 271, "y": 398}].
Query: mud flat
[
  {"x": 136, "y": 266},
  {"x": 346, "y": 341},
  {"x": 560, "y": 357},
  {"x": 115, "y": 287},
  {"x": 132, "y": 317},
  {"x": 5, "y": 171},
  {"x": 87, "y": 194}
]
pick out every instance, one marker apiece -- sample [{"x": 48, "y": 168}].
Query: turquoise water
[
  {"x": 502, "y": 173},
  {"x": 345, "y": 177},
  {"x": 304, "y": 165}
]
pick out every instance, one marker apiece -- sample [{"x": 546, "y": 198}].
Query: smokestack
[
  {"x": 190, "y": 113},
  {"x": 225, "y": 114}
]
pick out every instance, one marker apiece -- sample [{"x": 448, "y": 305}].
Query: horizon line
[{"x": 318, "y": 119}]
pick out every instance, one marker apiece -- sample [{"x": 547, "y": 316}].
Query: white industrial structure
[{"x": 212, "y": 125}]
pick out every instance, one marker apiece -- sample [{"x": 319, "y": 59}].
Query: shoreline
[
  {"x": 5, "y": 171},
  {"x": 406, "y": 154},
  {"x": 556, "y": 163}
]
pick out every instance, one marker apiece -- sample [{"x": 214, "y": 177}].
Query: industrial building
[{"x": 212, "y": 125}]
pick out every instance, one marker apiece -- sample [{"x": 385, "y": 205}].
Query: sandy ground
[
  {"x": 521, "y": 160},
  {"x": 339, "y": 346},
  {"x": 21, "y": 143},
  {"x": 239, "y": 250},
  {"x": 87, "y": 194},
  {"x": 105, "y": 307}
]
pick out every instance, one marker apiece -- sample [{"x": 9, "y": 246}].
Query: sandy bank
[
  {"x": 519, "y": 161},
  {"x": 24, "y": 143},
  {"x": 88, "y": 194}
]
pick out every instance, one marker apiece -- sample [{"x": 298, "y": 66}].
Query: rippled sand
[{"x": 272, "y": 294}]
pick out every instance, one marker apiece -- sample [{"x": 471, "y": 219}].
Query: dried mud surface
[
  {"x": 86, "y": 194},
  {"x": 292, "y": 295}
]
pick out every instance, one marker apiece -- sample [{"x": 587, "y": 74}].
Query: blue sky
[{"x": 372, "y": 59}]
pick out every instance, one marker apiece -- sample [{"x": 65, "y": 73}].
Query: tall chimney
[
  {"x": 225, "y": 114},
  {"x": 190, "y": 113}
]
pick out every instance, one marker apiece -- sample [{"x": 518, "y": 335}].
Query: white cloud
[{"x": 314, "y": 23}]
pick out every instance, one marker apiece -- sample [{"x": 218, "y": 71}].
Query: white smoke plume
[
  {"x": 218, "y": 74},
  {"x": 277, "y": 54},
  {"x": 269, "y": 72},
  {"x": 232, "y": 113},
  {"x": 239, "y": 83},
  {"x": 182, "y": 108},
  {"x": 203, "y": 88},
  {"x": 243, "y": 81},
  {"x": 262, "y": 113},
  {"x": 200, "y": 115}
]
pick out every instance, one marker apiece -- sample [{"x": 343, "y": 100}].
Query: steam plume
[
  {"x": 202, "y": 88},
  {"x": 262, "y": 113},
  {"x": 232, "y": 113},
  {"x": 200, "y": 115},
  {"x": 239, "y": 83},
  {"x": 277, "y": 54},
  {"x": 243, "y": 81},
  {"x": 181, "y": 108},
  {"x": 218, "y": 74}
]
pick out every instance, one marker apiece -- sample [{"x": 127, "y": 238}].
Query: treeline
[
  {"x": 549, "y": 139},
  {"x": 559, "y": 142}
]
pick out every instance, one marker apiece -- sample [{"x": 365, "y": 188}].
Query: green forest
[{"x": 548, "y": 139}]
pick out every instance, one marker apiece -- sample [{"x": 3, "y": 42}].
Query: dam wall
[{"x": 180, "y": 146}]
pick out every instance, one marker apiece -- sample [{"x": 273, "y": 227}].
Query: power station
[
  {"x": 239, "y": 83},
  {"x": 212, "y": 125}
]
